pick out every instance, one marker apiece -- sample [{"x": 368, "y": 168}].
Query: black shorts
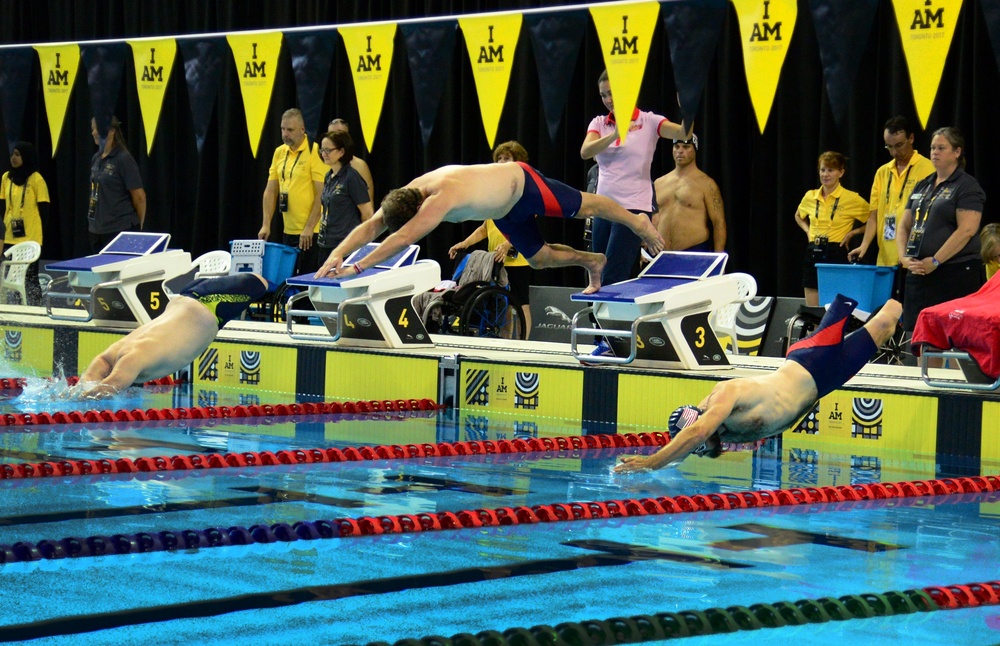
[
  {"x": 519, "y": 279},
  {"x": 948, "y": 282},
  {"x": 226, "y": 296},
  {"x": 831, "y": 253}
]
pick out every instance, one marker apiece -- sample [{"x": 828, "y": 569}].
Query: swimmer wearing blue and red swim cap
[{"x": 748, "y": 410}]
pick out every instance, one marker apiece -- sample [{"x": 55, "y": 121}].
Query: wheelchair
[{"x": 479, "y": 307}]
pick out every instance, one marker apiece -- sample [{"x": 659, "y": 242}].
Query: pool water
[{"x": 391, "y": 587}]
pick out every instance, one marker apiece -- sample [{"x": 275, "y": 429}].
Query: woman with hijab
[{"x": 25, "y": 204}]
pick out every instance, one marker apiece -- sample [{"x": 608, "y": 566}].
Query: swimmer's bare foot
[{"x": 594, "y": 265}]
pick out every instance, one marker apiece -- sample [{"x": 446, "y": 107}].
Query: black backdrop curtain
[{"x": 208, "y": 199}]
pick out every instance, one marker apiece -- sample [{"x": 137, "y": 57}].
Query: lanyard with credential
[
  {"x": 833, "y": 211},
  {"x": 10, "y": 193},
  {"x": 902, "y": 187},
  {"x": 285, "y": 163}
]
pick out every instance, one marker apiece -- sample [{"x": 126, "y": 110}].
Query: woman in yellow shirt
[
  {"x": 25, "y": 199},
  {"x": 989, "y": 241},
  {"x": 827, "y": 215}
]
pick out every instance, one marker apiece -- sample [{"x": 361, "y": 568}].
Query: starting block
[
  {"x": 373, "y": 309},
  {"x": 661, "y": 318},
  {"x": 124, "y": 282}
]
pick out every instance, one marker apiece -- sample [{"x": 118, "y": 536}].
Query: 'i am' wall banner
[
  {"x": 369, "y": 52},
  {"x": 625, "y": 32},
  {"x": 766, "y": 28},
  {"x": 491, "y": 41},
  {"x": 15, "y": 72},
  {"x": 256, "y": 57},
  {"x": 59, "y": 65},
  {"x": 926, "y": 27},
  {"x": 153, "y": 62}
]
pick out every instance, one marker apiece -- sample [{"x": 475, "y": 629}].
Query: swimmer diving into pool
[
  {"x": 748, "y": 409},
  {"x": 172, "y": 340},
  {"x": 511, "y": 194}
]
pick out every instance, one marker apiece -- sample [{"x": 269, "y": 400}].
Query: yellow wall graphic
[
  {"x": 27, "y": 351},
  {"x": 352, "y": 376}
]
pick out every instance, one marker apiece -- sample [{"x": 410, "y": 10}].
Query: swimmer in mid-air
[
  {"x": 511, "y": 194},
  {"x": 172, "y": 340},
  {"x": 749, "y": 409}
]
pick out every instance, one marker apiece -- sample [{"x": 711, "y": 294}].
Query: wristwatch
[{"x": 935, "y": 262}]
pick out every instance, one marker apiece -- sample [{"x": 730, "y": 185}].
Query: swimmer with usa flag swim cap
[
  {"x": 172, "y": 340},
  {"x": 747, "y": 410}
]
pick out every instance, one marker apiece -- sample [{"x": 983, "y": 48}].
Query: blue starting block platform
[
  {"x": 372, "y": 309},
  {"x": 124, "y": 282},
  {"x": 661, "y": 318}
]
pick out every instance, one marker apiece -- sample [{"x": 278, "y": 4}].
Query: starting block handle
[
  {"x": 89, "y": 298},
  {"x": 959, "y": 355}
]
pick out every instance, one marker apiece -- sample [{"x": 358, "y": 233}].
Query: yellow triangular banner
[
  {"x": 766, "y": 30},
  {"x": 153, "y": 61},
  {"x": 59, "y": 64},
  {"x": 491, "y": 41},
  {"x": 256, "y": 57},
  {"x": 926, "y": 27},
  {"x": 369, "y": 51},
  {"x": 625, "y": 31}
]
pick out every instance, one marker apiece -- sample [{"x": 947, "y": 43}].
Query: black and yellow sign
[
  {"x": 766, "y": 28},
  {"x": 247, "y": 368},
  {"x": 256, "y": 57},
  {"x": 927, "y": 28},
  {"x": 625, "y": 32},
  {"x": 491, "y": 41},
  {"x": 59, "y": 64},
  {"x": 154, "y": 59},
  {"x": 369, "y": 51},
  {"x": 528, "y": 391},
  {"x": 28, "y": 350},
  {"x": 405, "y": 322}
]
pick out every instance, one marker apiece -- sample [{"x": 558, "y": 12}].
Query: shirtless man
[
  {"x": 689, "y": 213},
  {"x": 511, "y": 194},
  {"x": 172, "y": 340},
  {"x": 750, "y": 409}
]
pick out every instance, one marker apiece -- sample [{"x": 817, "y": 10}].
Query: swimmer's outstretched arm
[
  {"x": 116, "y": 377},
  {"x": 717, "y": 406}
]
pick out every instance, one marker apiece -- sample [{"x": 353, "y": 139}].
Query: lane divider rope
[
  {"x": 63, "y": 468},
  {"x": 14, "y": 386},
  {"x": 213, "y": 412},
  {"x": 477, "y": 518},
  {"x": 714, "y": 621}
]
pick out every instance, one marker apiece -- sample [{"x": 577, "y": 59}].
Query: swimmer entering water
[
  {"x": 749, "y": 409},
  {"x": 174, "y": 339}
]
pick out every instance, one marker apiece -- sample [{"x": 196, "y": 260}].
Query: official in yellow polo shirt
[
  {"x": 827, "y": 215},
  {"x": 891, "y": 191},
  {"x": 294, "y": 187}
]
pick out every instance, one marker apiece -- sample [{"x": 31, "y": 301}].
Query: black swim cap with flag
[
  {"x": 683, "y": 417},
  {"x": 693, "y": 141}
]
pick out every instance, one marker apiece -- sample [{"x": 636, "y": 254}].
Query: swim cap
[
  {"x": 693, "y": 141},
  {"x": 680, "y": 419}
]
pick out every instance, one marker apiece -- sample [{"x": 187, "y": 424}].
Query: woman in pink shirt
[{"x": 624, "y": 177}]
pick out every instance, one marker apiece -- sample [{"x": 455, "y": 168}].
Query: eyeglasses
[
  {"x": 327, "y": 151},
  {"x": 900, "y": 146}
]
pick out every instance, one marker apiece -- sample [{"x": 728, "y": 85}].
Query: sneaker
[{"x": 603, "y": 349}]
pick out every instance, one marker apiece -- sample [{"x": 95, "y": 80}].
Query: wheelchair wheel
[{"x": 493, "y": 312}]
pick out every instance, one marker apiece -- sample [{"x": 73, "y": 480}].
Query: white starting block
[
  {"x": 661, "y": 318},
  {"x": 372, "y": 309},
  {"x": 124, "y": 282}
]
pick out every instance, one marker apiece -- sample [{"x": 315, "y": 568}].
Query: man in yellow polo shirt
[
  {"x": 294, "y": 186},
  {"x": 891, "y": 190}
]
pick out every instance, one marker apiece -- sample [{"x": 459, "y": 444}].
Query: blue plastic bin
[
  {"x": 870, "y": 285},
  {"x": 273, "y": 261}
]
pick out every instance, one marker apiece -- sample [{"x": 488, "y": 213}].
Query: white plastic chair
[
  {"x": 14, "y": 269},
  {"x": 213, "y": 263}
]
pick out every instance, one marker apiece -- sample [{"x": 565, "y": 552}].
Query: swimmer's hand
[
  {"x": 634, "y": 463},
  {"x": 331, "y": 267},
  {"x": 88, "y": 390}
]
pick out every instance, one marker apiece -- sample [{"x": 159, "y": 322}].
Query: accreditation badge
[
  {"x": 889, "y": 227},
  {"x": 916, "y": 238}
]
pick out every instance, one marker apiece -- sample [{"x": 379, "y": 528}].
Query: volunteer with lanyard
[
  {"x": 937, "y": 242},
  {"x": 294, "y": 186},
  {"x": 25, "y": 199},
  {"x": 827, "y": 215}
]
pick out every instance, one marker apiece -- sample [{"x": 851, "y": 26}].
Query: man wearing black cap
[
  {"x": 750, "y": 409},
  {"x": 689, "y": 214}
]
